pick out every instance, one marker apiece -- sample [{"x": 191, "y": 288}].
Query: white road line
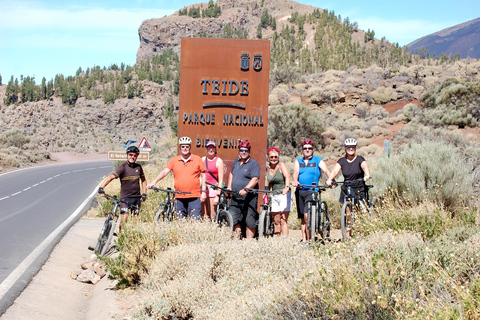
[
  {"x": 17, "y": 273},
  {"x": 55, "y": 176}
]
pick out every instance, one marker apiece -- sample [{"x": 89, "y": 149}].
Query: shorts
[
  {"x": 244, "y": 211},
  {"x": 281, "y": 202},
  {"x": 188, "y": 207},
  {"x": 301, "y": 199},
  {"x": 211, "y": 192},
  {"x": 124, "y": 207}
]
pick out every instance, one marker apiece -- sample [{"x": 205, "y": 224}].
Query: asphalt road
[{"x": 37, "y": 207}]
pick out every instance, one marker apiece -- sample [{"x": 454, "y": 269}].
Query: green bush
[
  {"x": 453, "y": 103},
  {"x": 430, "y": 170},
  {"x": 289, "y": 125},
  {"x": 285, "y": 74},
  {"x": 13, "y": 138}
]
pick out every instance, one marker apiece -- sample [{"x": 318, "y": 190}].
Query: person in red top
[
  {"x": 189, "y": 174},
  {"x": 130, "y": 175},
  {"x": 214, "y": 175}
]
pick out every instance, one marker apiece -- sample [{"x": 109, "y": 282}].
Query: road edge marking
[{"x": 12, "y": 278}]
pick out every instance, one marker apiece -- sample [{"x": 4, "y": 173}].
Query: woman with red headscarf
[{"x": 278, "y": 178}]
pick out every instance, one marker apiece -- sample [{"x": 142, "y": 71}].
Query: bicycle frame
[
  {"x": 222, "y": 215},
  {"x": 265, "y": 220},
  {"x": 353, "y": 203},
  {"x": 318, "y": 217},
  {"x": 109, "y": 226},
  {"x": 168, "y": 205}
]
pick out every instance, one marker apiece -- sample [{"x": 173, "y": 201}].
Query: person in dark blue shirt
[{"x": 245, "y": 173}]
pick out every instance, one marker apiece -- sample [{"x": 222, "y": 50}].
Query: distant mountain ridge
[{"x": 463, "y": 39}]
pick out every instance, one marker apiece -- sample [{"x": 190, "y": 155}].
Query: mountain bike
[
  {"x": 223, "y": 217},
  {"x": 318, "y": 215},
  {"x": 106, "y": 235},
  {"x": 353, "y": 204},
  {"x": 266, "y": 226},
  {"x": 165, "y": 211}
]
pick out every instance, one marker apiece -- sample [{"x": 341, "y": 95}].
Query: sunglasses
[
  {"x": 243, "y": 150},
  {"x": 133, "y": 155},
  {"x": 308, "y": 148},
  {"x": 185, "y": 147},
  {"x": 273, "y": 157},
  {"x": 210, "y": 147}
]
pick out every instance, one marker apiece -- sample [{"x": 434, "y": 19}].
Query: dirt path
[{"x": 52, "y": 294}]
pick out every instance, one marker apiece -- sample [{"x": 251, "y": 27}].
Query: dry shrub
[
  {"x": 429, "y": 170},
  {"x": 226, "y": 279},
  {"x": 388, "y": 275},
  {"x": 383, "y": 95}
]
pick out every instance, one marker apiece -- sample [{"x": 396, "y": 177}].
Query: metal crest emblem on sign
[
  {"x": 245, "y": 61},
  {"x": 257, "y": 62}
]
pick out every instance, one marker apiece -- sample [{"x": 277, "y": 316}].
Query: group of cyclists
[{"x": 198, "y": 177}]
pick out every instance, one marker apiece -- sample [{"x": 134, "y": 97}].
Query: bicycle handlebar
[
  {"x": 169, "y": 191},
  {"x": 220, "y": 188},
  {"x": 272, "y": 192},
  {"x": 314, "y": 186},
  {"x": 347, "y": 182}
]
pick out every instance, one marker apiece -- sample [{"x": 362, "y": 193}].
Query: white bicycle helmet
[
  {"x": 184, "y": 140},
  {"x": 350, "y": 142}
]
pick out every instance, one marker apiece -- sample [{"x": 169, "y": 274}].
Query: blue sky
[{"x": 43, "y": 38}]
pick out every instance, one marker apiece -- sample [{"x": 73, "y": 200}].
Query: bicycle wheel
[
  {"x": 269, "y": 227},
  {"x": 225, "y": 219},
  {"x": 324, "y": 227},
  {"x": 346, "y": 225},
  {"x": 168, "y": 214},
  {"x": 105, "y": 236},
  {"x": 312, "y": 216},
  {"x": 262, "y": 224},
  {"x": 159, "y": 215}
]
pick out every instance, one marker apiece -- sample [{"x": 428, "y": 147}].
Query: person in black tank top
[{"x": 353, "y": 167}]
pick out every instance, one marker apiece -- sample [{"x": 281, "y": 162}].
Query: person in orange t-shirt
[{"x": 189, "y": 174}]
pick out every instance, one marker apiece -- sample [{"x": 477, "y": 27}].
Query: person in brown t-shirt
[{"x": 130, "y": 175}]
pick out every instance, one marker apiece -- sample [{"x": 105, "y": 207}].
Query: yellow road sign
[{"x": 121, "y": 155}]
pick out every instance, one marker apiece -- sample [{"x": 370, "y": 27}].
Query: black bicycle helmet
[{"x": 133, "y": 149}]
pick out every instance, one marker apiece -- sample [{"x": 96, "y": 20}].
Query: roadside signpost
[{"x": 122, "y": 156}]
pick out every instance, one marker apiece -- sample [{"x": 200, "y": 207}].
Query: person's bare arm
[
  {"x": 366, "y": 171},
  {"x": 160, "y": 176},
  {"x": 333, "y": 174},
  {"x": 296, "y": 172},
  {"x": 220, "y": 172},
  {"x": 286, "y": 174},
  {"x": 109, "y": 179}
]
